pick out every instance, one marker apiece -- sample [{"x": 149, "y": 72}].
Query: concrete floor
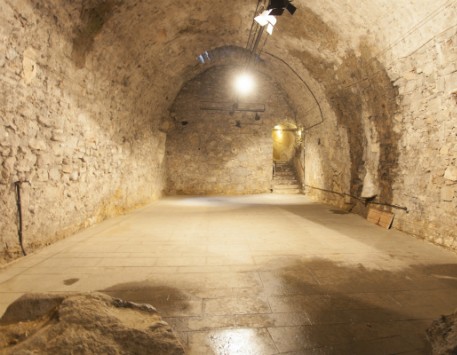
[{"x": 263, "y": 274}]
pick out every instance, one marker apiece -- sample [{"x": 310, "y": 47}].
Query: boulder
[
  {"x": 442, "y": 335},
  {"x": 90, "y": 323}
]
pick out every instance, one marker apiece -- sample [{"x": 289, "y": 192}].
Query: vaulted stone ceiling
[
  {"x": 152, "y": 45},
  {"x": 152, "y": 40}
]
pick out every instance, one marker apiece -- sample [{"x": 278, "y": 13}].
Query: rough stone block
[
  {"x": 442, "y": 335},
  {"x": 26, "y": 163},
  {"x": 448, "y": 193},
  {"x": 90, "y": 323},
  {"x": 451, "y": 83},
  {"x": 37, "y": 144},
  {"x": 451, "y": 173},
  {"x": 54, "y": 174},
  {"x": 42, "y": 175}
]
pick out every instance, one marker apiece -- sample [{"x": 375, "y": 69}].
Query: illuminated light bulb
[{"x": 244, "y": 84}]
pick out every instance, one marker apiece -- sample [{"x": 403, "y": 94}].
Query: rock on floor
[
  {"x": 443, "y": 335},
  {"x": 91, "y": 323}
]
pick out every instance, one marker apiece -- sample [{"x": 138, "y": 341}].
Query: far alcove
[{"x": 223, "y": 150}]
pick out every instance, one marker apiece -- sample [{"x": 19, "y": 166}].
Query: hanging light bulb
[{"x": 244, "y": 84}]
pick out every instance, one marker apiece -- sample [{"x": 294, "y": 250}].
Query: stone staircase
[{"x": 285, "y": 180}]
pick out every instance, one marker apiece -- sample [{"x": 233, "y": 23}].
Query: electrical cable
[
  {"x": 306, "y": 85},
  {"x": 416, "y": 27},
  {"x": 17, "y": 186},
  {"x": 364, "y": 201},
  {"x": 263, "y": 46},
  {"x": 252, "y": 24}
]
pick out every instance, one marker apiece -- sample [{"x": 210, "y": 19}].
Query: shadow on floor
[
  {"x": 308, "y": 306},
  {"x": 354, "y": 310}
]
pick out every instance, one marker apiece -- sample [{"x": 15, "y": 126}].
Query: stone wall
[
  {"x": 427, "y": 179},
  {"x": 83, "y": 146},
  {"x": 392, "y": 134},
  {"x": 223, "y": 152}
]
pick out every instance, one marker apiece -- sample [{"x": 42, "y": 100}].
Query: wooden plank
[
  {"x": 374, "y": 215},
  {"x": 380, "y": 218},
  {"x": 231, "y": 106},
  {"x": 216, "y": 106},
  {"x": 386, "y": 220},
  {"x": 252, "y": 107}
]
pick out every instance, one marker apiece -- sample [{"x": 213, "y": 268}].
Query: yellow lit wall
[{"x": 283, "y": 144}]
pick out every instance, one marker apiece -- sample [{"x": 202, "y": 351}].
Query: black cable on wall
[{"x": 17, "y": 186}]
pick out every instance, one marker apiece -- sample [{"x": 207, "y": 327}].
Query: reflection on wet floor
[
  {"x": 299, "y": 305},
  {"x": 257, "y": 275}
]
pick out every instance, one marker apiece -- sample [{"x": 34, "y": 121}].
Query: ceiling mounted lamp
[
  {"x": 277, "y": 7},
  {"x": 266, "y": 19},
  {"x": 204, "y": 57}
]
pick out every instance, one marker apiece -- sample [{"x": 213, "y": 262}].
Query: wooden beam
[{"x": 231, "y": 106}]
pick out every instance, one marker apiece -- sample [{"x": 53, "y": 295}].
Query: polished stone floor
[{"x": 266, "y": 274}]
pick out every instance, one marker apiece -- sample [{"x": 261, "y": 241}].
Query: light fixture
[
  {"x": 244, "y": 83},
  {"x": 204, "y": 57},
  {"x": 265, "y": 19},
  {"x": 299, "y": 134},
  {"x": 277, "y": 7},
  {"x": 278, "y": 132}
]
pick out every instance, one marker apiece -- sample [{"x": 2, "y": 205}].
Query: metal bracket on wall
[{"x": 231, "y": 106}]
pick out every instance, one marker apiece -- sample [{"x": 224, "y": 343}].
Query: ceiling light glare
[
  {"x": 262, "y": 19},
  {"x": 265, "y": 19},
  {"x": 244, "y": 84}
]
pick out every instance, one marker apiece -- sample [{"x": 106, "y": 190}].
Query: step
[
  {"x": 286, "y": 186},
  {"x": 291, "y": 186},
  {"x": 286, "y": 181},
  {"x": 284, "y": 173},
  {"x": 286, "y": 191},
  {"x": 284, "y": 177},
  {"x": 291, "y": 180},
  {"x": 288, "y": 175},
  {"x": 288, "y": 172}
]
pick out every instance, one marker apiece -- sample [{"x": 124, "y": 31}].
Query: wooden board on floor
[
  {"x": 374, "y": 215},
  {"x": 381, "y": 218}
]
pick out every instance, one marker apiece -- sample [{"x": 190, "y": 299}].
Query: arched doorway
[
  {"x": 284, "y": 142},
  {"x": 286, "y": 148}
]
